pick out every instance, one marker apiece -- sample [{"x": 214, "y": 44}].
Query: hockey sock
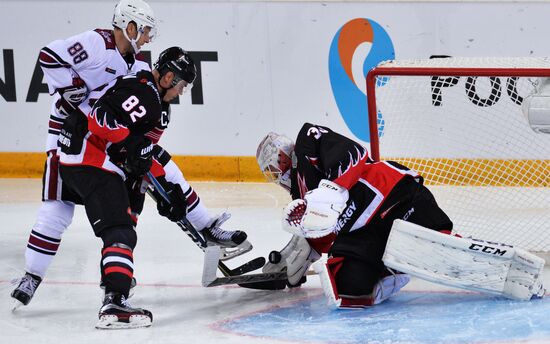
[
  {"x": 117, "y": 268},
  {"x": 52, "y": 220},
  {"x": 41, "y": 249}
]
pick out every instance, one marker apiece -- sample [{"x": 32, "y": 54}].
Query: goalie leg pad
[
  {"x": 389, "y": 286},
  {"x": 382, "y": 290},
  {"x": 327, "y": 270},
  {"x": 470, "y": 264}
]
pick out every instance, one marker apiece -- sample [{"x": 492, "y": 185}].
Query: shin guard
[{"x": 117, "y": 268}]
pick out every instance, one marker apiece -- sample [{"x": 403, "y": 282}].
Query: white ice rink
[{"x": 169, "y": 267}]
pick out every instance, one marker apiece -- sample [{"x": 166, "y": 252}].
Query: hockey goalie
[{"x": 379, "y": 224}]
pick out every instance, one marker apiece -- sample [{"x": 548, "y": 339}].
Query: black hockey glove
[
  {"x": 139, "y": 152},
  {"x": 177, "y": 208},
  {"x": 71, "y": 97},
  {"x": 71, "y": 137},
  {"x": 136, "y": 193}
]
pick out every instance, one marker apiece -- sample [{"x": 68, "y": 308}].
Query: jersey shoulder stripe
[
  {"x": 49, "y": 59},
  {"x": 108, "y": 37}
]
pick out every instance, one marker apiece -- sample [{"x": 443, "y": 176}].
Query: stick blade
[{"x": 211, "y": 259}]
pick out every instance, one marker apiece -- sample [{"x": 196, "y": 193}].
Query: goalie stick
[
  {"x": 263, "y": 281},
  {"x": 266, "y": 280},
  {"x": 192, "y": 233}
]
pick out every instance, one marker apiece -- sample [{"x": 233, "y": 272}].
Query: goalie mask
[
  {"x": 179, "y": 62},
  {"x": 139, "y": 12},
  {"x": 274, "y": 156}
]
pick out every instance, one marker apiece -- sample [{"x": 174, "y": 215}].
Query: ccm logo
[{"x": 487, "y": 249}]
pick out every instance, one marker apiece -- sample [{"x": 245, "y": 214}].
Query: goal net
[{"x": 459, "y": 123}]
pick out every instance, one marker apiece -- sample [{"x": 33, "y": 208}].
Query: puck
[{"x": 275, "y": 257}]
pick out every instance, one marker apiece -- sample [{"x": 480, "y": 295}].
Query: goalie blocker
[{"x": 466, "y": 263}]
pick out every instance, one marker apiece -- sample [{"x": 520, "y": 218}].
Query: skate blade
[
  {"x": 232, "y": 252},
  {"x": 110, "y": 322},
  {"x": 16, "y": 305}
]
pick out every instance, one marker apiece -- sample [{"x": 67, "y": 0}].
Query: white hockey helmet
[
  {"x": 139, "y": 12},
  {"x": 274, "y": 155}
]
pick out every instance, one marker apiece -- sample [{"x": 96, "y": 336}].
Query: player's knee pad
[
  {"x": 125, "y": 235},
  {"x": 53, "y": 218}
]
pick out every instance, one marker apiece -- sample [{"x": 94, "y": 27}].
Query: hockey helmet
[
  {"x": 139, "y": 12},
  {"x": 273, "y": 155},
  {"x": 179, "y": 62}
]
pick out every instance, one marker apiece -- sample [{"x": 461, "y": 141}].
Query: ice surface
[{"x": 168, "y": 269}]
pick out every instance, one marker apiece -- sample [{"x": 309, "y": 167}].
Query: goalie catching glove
[{"x": 316, "y": 215}]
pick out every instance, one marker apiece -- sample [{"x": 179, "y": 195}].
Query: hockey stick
[
  {"x": 192, "y": 233},
  {"x": 249, "y": 279},
  {"x": 264, "y": 281}
]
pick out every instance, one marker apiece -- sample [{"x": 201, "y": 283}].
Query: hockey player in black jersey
[
  {"x": 99, "y": 151},
  {"x": 185, "y": 201},
  {"x": 56, "y": 215},
  {"x": 344, "y": 204}
]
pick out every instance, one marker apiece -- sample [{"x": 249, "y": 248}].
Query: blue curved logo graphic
[{"x": 357, "y": 47}]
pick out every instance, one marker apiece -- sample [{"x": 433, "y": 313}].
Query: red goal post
[{"x": 459, "y": 122}]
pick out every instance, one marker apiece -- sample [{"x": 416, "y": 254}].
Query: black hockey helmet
[{"x": 179, "y": 62}]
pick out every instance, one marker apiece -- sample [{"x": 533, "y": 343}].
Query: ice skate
[
  {"x": 116, "y": 313},
  {"x": 26, "y": 289},
  {"x": 233, "y": 243}
]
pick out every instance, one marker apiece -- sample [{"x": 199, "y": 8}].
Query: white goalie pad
[{"x": 465, "y": 263}]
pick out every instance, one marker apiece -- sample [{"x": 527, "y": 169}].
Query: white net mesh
[{"x": 468, "y": 137}]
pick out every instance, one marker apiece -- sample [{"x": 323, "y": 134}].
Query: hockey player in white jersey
[{"x": 73, "y": 67}]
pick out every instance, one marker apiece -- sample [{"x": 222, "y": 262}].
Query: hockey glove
[
  {"x": 139, "y": 152},
  {"x": 71, "y": 97},
  {"x": 136, "y": 187},
  {"x": 317, "y": 214},
  {"x": 176, "y": 209},
  {"x": 71, "y": 137}
]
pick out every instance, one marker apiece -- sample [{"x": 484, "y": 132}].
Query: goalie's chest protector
[{"x": 367, "y": 196}]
